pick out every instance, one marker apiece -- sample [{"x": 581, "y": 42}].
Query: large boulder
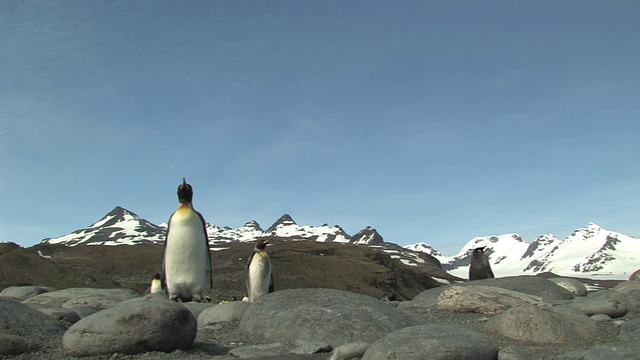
[
  {"x": 626, "y": 286},
  {"x": 13, "y": 344},
  {"x": 635, "y": 276},
  {"x": 483, "y": 299},
  {"x": 599, "y": 305},
  {"x": 322, "y": 315},
  {"x": 22, "y": 293},
  {"x": 226, "y": 312},
  {"x": 96, "y": 299},
  {"x": 530, "y": 285},
  {"x": 19, "y": 319},
  {"x": 542, "y": 324},
  {"x": 574, "y": 286},
  {"x": 139, "y": 325},
  {"x": 433, "y": 342}
]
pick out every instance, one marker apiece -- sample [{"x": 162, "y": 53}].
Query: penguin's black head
[
  {"x": 479, "y": 250},
  {"x": 157, "y": 276},
  {"x": 261, "y": 244},
  {"x": 185, "y": 192}
]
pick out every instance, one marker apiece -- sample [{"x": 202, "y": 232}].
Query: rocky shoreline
[{"x": 506, "y": 318}]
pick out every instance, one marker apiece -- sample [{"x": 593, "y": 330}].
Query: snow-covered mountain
[
  {"x": 588, "y": 251},
  {"x": 119, "y": 227},
  {"x": 123, "y": 227}
]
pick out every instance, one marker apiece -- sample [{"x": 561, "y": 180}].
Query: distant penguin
[
  {"x": 258, "y": 277},
  {"x": 479, "y": 267},
  {"x": 186, "y": 263},
  {"x": 156, "y": 285}
]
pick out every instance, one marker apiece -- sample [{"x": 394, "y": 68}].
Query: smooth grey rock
[
  {"x": 66, "y": 316},
  {"x": 280, "y": 349},
  {"x": 433, "y": 342},
  {"x": 542, "y": 324},
  {"x": 225, "y": 312},
  {"x": 512, "y": 353},
  {"x": 13, "y": 344},
  {"x": 599, "y": 305},
  {"x": 350, "y": 350},
  {"x": 632, "y": 299},
  {"x": 622, "y": 351},
  {"x": 635, "y": 276},
  {"x": 531, "y": 285},
  {"x": 19, "y": 319},
  {"x": 574, "y": 286},
  {"x": 483, "y": 299},
  {"x": 325, "y": 315},
  {"x": 630, "y": 330},
  {"x": 626, "y": 286},
  {"x": 22, "y": 293},
  {"x": 197, "y": 308},
  {"x": 93, "y": 298},
  {"x": 134, "y": 326},
  {"x": 600, "y": 317}
]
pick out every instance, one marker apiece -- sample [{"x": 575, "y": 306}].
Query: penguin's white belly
[
  {"x": 156, "y": 287},
  {"x": 186, "y": 255},
  {"x": 259, "y": 276}
]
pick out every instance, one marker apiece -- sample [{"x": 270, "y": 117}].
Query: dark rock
[
  {"x": 542, "y": 324},
  {"x": 630, "y": 330},
  {"x": 139, "y": 325},
  {"x": 19, "y": 319},
  {"x": 326, "y": 315},
  {"x": 433, "y": 342},
  {"x": 13, "y": 344}
]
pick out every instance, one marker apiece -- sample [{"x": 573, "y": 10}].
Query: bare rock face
[
  {"x": 331, "y": 316},
  {"x": 437, "y": 342},
  {"x": 139, "y": 325},
  {"x": 542, "y": 325},
  {"x": 483, "y": 299}
]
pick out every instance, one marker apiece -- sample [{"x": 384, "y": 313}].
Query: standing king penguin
[
  {"x": 479, "y": 267},
  {"x": 258, "y": 275},
  {"x": 186, "y": 262}
]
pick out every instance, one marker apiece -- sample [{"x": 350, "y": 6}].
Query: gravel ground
[{"x": 215, "y": 342}]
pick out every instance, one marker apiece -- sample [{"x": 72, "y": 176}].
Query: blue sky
[{"x": 433, "y": 121}]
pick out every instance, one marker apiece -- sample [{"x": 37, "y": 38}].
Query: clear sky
[{"x": 432, "y": 121}]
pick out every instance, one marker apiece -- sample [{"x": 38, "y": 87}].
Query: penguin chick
[
  {"x": 186, "y": 262},
  {"x": 258, "y": 276},
  {"x": 156, "y": 285},
  {"x": 479, "y": 267}
]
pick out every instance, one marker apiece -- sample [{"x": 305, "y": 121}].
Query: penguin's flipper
[
  {"x": 247, "y": 278},
  {"x": 271, "y": 284},
  {"x": 206, "y": 236}
]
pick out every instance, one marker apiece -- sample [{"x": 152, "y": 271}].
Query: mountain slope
[{"x": 588, "y": 251}]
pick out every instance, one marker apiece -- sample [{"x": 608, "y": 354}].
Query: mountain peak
[
  {"x": 284, "y": 220},
  {"x": 368, "y": 236}
]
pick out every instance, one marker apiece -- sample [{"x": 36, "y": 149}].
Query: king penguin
[
  {"x": 156, "y": 285},
  {"x": 479, "y": 267},
  {"x": 259, "y": 277},
  {"x": 186, "y": 262}
]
